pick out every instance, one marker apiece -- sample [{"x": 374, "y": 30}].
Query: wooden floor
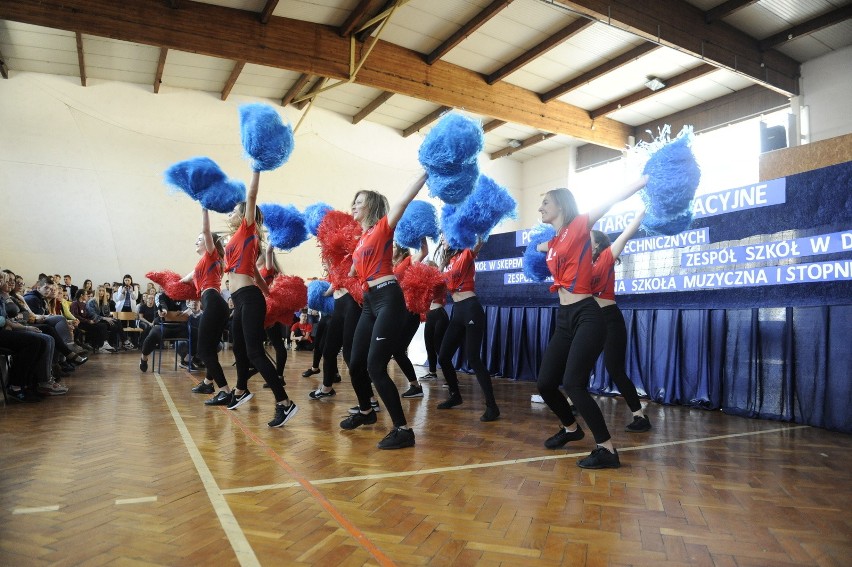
[{"x": 132, "y": 469}]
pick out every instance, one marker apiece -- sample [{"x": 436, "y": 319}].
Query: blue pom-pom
[
  {"x": 673, "y": 177},
  {"x": 449, "y": 155},
  {"x": 266, "y": 139},
  {"x": 534, "y": 262},
  {"x": 419, "y": 219},
  {"x": 453, "y": 187},
  {"x": 455, "y": 139},
  {"x": 454, "y": 227},
  {"x": 224, "y": 196},
  {"x": 478, "y": 215},
  {"x": 314, "y": 215},
  {"x": 194, "y": 175},
  {"x": 286, "y": 225},
  {"x": 316, "y": 296}
]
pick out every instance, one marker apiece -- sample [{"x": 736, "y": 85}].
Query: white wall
[
  {"x": 81, "y": 174},
  {"x": 826, "y": 87}
]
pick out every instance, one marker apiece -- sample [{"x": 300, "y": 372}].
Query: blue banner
[{"x": 769, "y": 251}]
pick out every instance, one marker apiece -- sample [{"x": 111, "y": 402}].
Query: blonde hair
[
  {"x": 375, "y": 204},
  {"x": 565, "y": 201}
]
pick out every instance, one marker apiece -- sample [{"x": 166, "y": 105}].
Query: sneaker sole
[
  {"x": 288, "y": 417},
  {"x": 420, "y": 395},
  {"x": 396, "y": 446},
  {"x": 243, "y": 400}
]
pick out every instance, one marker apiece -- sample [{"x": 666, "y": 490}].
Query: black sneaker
[
  {"x": 563, "y": 436},
  {"x": 451, "y": 402},
  {"x": 22, "y": 396},
  {"x": 414, "y": 391},
  {"x": 491, "y": 414},
  {"x": 398, "y": 438},
  {"x": 183, "y": 364},
  {"x": 283, "y": 414},
  {"x": 237, "y": 401},
  {"x": 357, "y": 409},
  {"x": 429, "y": 376},
  {"x": 337, "y": 379},
  {"x": 203, "y": 388},
  {"x": 221, "y": 398},
  {"x": 359, "y": 419},
  {"x": 143, "y": 365},
  {"x": 310, "y": 372},
  {"x": 638, "y": 425},
  {"x": 319, "y": 394},
  {"x": 600, "y": 459}
]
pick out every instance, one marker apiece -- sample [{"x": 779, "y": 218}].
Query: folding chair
[
  {"x": 128, "y": 316},
  {"x": 174, "y": 321}
]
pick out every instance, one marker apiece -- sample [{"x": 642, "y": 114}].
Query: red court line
[{"x": 359, "y": 536}]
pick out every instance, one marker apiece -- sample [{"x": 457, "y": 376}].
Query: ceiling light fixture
[
  {"x": 654, "y": 83},
  {"x": 514, "y": 143}
]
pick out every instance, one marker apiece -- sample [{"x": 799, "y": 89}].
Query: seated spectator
[
  {"x": 38, "y": 313},
  {"x": 300, "y": 333},
  {"x": 96, "y": 331},
  {"x": 70, "y": 288},
  {"x": 100, "y": 310},
  {"x": 193, "y": 311},
  {"x": 147, "y": 314},
  {"x": 162, "y": 328}
]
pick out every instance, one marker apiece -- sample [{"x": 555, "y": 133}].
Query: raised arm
[
  {"x": 420, "y": 254},
  {"x": 618, "y": 246},
  {"x": 209, "y": 245},
  {"x": 600, "y": 210},
  {"x": 395, "y": 212},
  {"x": 251, "y": 197}
]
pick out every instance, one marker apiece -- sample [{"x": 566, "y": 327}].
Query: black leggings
[
  {"x": 248, "y": 335},
  {"x": 339, "y": 333},
  {"x": 569, "y": 359},
  {"x": 467, "y": 323},
  {"x": 615, "y": 349},
  {"x": 319, "y": 340},
  {"x": 214, "y": 319},
  {"x": 275, "y": 335},
  {"x": 437, "y": 322},
  {"x": 375, "y": 341},
  {"x": 400, "y": 354}
]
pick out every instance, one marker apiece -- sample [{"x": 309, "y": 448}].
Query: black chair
[{"x": 178, "y": 325}]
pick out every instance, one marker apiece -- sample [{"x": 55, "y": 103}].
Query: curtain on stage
[{"x": 787, "y": 364}]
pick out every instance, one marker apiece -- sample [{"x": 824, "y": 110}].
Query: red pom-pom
[
  {"x": 287, "y": 294},
  {"x": 171, "y": 284},
  {"x": 338, "y": 234},
  {"x": 420, "y": 283}
]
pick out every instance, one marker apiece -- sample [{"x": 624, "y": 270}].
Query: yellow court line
[
  {"x": 239, "y": 542},
  {"x": 402, "y": 474},
  {"x": 143, "y": 499},
  {"x": 35, "y": 510}
]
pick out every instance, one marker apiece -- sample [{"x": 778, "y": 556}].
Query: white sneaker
[
  {"x": 536, "y": 399},
  {"x": 52, "y": 388},
  {"x": 108, "y": 347}
]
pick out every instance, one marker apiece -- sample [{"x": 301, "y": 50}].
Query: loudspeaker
[{"x": 772, "y": 137}]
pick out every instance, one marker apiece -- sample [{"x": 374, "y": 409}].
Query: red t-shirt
[
  {"x": 208, "y": 272},
  {"x": 603, "y": 275},
  {"x": 400, "y": 268},
  {"x": 373, "y": 256},
  {"x": 306, "y": 329},
  {"x": 268, "y": 275},
  {"x": 242, "y": 249},
  {"x": 569, "y": 257},
  {"x": 460, "y": 272}
]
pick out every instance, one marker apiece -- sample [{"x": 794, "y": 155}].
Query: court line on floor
[
  {"x": 239, "y": 543},
  {"x": 34, "y": 510},
  {"x": 438, "y": 470}
]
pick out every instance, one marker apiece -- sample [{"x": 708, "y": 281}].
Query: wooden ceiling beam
[
  {"x": 598, "y": 71},
  {"x": 682, "y": 26},
  {"x": 362, "y": 11},
  {"x": 296, "y": 89},
  {"x": 161, "y": 65},
  {"x": 81, "y": 60},
  {"x": 725, "y": 9},
  {"x": 363, "y": 34},
  {"x": 633, "y": 98},
  {"x": 318, "y": 84},
  {"x": 492, "y": 10},
  {"x": 509, "y": 150},
  {"x": 306, "y": 47},
  {"x": 807, "y": 28},
  {"x": 267, "y": 11},
  {"x": 562, "y": 36},
  {"x": 492, "y": 125},
  {"x": 367, "y": 110},
  {"x": 426, "y": 120},
  {"x": 232, "y": 79}
]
